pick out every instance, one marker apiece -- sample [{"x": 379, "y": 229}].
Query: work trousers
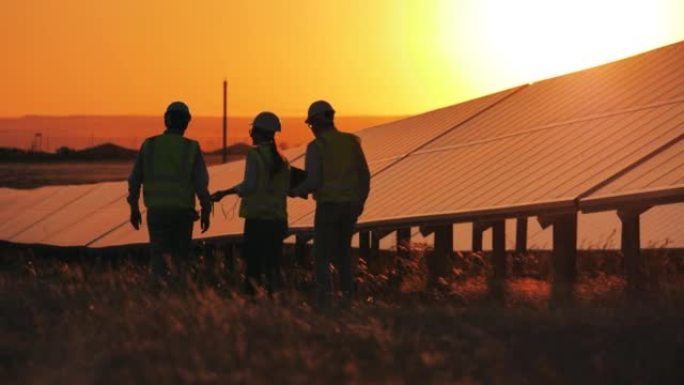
[
  {"x": 170, "y": 232},
  {"x": 334, "y": 225},
  {"x": 263, "y": 252}
]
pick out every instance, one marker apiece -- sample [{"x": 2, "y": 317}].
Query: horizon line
[{"x": 194, "y": 116}]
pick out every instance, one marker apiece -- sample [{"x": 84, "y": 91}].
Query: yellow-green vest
[
  {"x": 340, "y": 164},
  {"x": 269, "y": 199},
  {"x": 168, "y": 161}
]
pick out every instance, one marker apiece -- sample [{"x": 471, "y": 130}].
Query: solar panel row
[{"x": 589, "y": 140}]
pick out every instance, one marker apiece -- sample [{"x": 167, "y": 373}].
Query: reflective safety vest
[
  {"x": 168, "y": 161},
  {"x": 269, "y": 199},
  {"x": 340, "y": 167}
]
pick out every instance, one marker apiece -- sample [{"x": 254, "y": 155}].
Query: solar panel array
[
  {"x": 597, "y": 137},
  {"x": 658, "y": 177},
  {"x": 519, "y": 173}
]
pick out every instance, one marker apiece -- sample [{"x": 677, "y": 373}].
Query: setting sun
[{"x": 505, "y": 42}]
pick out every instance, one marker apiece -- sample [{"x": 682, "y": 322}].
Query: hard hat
[
  {"x": 179, "y": 107},
  {"x": 318, "y": 107},
  {"x": 266, "y": 121}
]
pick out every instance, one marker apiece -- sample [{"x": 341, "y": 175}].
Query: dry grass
[{"x": 66, "y": 323}]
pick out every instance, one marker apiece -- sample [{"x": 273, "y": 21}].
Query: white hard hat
[{"x": 266, "y": 121}]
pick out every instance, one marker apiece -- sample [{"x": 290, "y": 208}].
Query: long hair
[{"x": 278, "y": 162}]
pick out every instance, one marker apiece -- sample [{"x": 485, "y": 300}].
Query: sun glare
[{"x": 535, "y": 39}]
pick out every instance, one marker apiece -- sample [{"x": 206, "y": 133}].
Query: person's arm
[
  {"x": 249, "y": 182},
  {"x": 314, "y": 172},
  {"x": 248, "y": 186},
  {"x": 135, "y": 180},
  {"x": 200, "y": 181},
  {"x": 364, "y": 174},
  {"x": 134, "y": 183}
]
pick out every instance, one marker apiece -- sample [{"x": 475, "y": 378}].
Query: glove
[
  {"x": 217, "y": 196},
  {"x": 136, "y": 218},
  {"x": 204, "y": 221}
]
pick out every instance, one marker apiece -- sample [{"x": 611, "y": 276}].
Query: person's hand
[
  {"x": 217, "y": 196},
  {"x": 204, "y": 222},
  {"x": 136, "y": 218}
]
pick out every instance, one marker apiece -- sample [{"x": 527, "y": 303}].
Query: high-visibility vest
[
  {"x": 269, "y": 199},
  {"x": 168, "y": 161},
  {"x": 340, "y": 167}
]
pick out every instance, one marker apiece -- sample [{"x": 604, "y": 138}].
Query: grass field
[{"x": 70, "y": 323}]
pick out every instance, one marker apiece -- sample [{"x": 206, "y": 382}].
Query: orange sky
[{"x": 380, "y": 57}]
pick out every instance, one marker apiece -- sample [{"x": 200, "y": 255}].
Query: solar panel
[
  {"x": 604, "y": 134},
  {"x": 658, "y": 177},
  {"x": 54, "y": 201},
  {"x": 78, "y": 222},
  {"x": 527, "y": 171},
  {"x": 648, "y": 79},
  {"x": 13, "y": 203}
]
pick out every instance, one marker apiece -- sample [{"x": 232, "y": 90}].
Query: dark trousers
[
  {"x": 263, "y": 251},
  {"x": 170, "y": 240},
  {"x": 333, "y": 230}
]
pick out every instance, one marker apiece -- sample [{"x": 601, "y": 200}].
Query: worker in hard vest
[
  {"x": 172, "y": 171},
  {"x": 338, "y": 177},
  {"x": 264, "y": 193}
]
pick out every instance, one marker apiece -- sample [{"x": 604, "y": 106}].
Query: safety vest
[
  {"x": 269, "y": 199},
  {"x": 340, "y": 164},
  {"x": 168, "y": 161}
]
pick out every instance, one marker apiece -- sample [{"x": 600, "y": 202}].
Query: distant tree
[{"x": 65, "y": 151}]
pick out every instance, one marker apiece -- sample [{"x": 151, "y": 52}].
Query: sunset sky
[{"x": 380, "y": 57}]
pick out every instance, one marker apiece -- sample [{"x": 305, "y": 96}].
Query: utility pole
[{"x": 225, "y": 121}]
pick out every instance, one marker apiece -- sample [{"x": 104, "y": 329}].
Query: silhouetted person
[
  {"x": 338, "y": 176},
  {"x": 264, "y": 194},
  {"x": 172, "y": 171}
]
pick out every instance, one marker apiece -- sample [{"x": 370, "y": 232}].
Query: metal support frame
[
  {"x": 498, "y": 277},
  {"x": 439, "y": 260},
  {"x": 301, "y": 249},
  {"x": 564, "y": 256},
  {"x": 521, "y": 235},
  {"x": 375, "y": 237},
  {"x": 404, "y": 241},
  {"x": 372, "y": 255},
  {"x": 518, "y": 260},
  {"x": 631, "y": 248},
  {"x": 364, "y": 244},
  {"x": 479, "y": 227}
]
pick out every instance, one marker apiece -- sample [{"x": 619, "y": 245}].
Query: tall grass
[{"x": 70, "y": 323}]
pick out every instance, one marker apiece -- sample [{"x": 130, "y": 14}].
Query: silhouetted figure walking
[
  {"x": 338, "y": 176},
  {"x": 172, "y": 171},
  {"x": 264, "y": 207}
]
